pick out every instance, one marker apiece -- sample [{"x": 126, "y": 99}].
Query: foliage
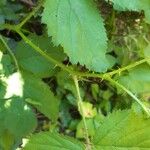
[
  {"x": 82, "y": 24},
  {"x": 74, "y": 74},
  {"x": 135, "y": 5},
  {"x": 54, "y": 141},
  {"x": 119, "y": 131}
]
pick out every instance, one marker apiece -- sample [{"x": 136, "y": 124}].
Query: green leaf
[
  {"x": 147, "y": 14},
  {"x": 39, "y": 92},
  {"x": 78, "y": 27},
  {"x": 8, "y": 11},
  {"x": 6, "y": 140},
  {"x": 16, "y": 118},
  {"x": 134, "y": 5},
  {"x": 2, "y": 89},
  {"x": 95, "y": 90},
  {"x": 6, "y": 67},
  {"x": 112, "y": 60},
  {"x": 33, "y": 62},
  {"x": 65, "y": 81},
  {"x": 137, "y": 80},
  {"x": 53, "y": 141},
  {"x": 2, "y": 46},
  {"x": 147, "y": 53},
  {"x": 80, "y": 131},
  {"x": 2, "y": 2},
  {"x": 65, "y": 115},
  {"x": 123, "y": 130},
  {"x": 125, "y": 5}
]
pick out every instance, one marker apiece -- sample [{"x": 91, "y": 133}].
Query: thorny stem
[
  {"x": 118, "y": 71},
  {"x": 84, "y": 74},
  {"x": 10, "y": 52},
  {"x": 43, "y": 53},
  {"x": 30, "y": 14},
  {"x": 80, "y": 104},
  {"x": 131, "y": 94}
]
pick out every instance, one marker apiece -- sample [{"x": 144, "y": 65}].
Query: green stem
[
  {"x": 118, "y": 71},
  {"x": 80, "y": 104},
  {"x": 44, "y": 54},
  {"x": 8, "y": 26},
  {"x": 10, "y": 52},
  {"x": 131, "y": 94},
  {"x": 30, "y": 14}
]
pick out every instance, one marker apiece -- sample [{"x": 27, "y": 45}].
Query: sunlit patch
[
  {"x": 1, "y": 66},
  {"x": 26, "y": 107},
  {"x": 7, "y": 103},
  {"x": 24, "y": 142},
  {"x": 14, "y": 85}
]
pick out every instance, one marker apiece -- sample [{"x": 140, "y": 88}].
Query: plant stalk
[
  {"x": 80, "y": 104},
  {"x": 10, "y": 52},
  {"x": 147, "y": 111}
]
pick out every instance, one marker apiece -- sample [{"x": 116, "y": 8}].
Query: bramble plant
[{"x": 75, "y": 74}]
